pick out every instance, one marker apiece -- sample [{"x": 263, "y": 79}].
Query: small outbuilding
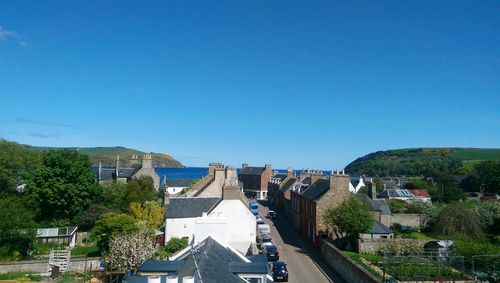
[
  {"x": 378, "y": 231},
  {"x": 65, "y": 236}
]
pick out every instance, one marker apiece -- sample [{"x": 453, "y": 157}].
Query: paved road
[{"x": 305, "y": 265}]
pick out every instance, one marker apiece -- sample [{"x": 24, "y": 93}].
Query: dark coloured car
[
  {"x": 280, "y": 272},
  {"x": 271, "y": 214},
  {"x": 271, "y": 251}
]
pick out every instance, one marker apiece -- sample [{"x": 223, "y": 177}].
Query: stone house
[
  {"x": 134, "y": 170},
  {"x": 316, "y": 199},
  {"x": 255, "y": 180}
]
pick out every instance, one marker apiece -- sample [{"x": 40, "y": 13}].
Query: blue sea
[{"x": 182, "y": 173}]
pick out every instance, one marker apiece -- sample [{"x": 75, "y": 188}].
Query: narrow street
[{"x": 304, "y": 263}]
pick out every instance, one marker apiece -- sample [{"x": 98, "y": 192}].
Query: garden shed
[{"x": 65, "y": 236}]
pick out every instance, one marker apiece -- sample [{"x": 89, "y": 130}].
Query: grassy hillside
[
  {"x": 418, "y": 161},
  {"x": 107, "y": 155}
]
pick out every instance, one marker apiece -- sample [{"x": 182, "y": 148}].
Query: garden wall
[
  {"x": 344, "y": 266},
  {"x": 414, "y": 220},
  {"x": 372, "y": 246},
  {"x": 40, "y": 266}
]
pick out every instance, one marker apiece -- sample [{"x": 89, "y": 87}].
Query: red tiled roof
[{"x": 420, "y": 193}]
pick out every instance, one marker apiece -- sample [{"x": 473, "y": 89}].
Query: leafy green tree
[
  {"x": 17, "y": 227},
  {"x": 488, "y": 175},
  {"x": 446, "y": 188},
  {"x": 458, "y": 220},
  {"x": 63, "y": 186},
  {"x": 90, "y": 216},
  {"x": 397, "y": 205},
  {"x": 15, "y": 161},
  {"x": 150, "y": 214},
  {"x": 113, "y": 196},
  {"x": 349, "y": 219},
  {"x": 379, "y": 183},
  {"x": 173, "y": 245},
  {"x": 140, "y": 190},
  {"x": 112, "y": 225}
]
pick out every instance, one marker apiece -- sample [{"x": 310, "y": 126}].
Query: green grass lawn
[
  {"x": 417, "y": 235},
  {"x": 22, "y": 276},
  {"x": 88, "y": 251}
]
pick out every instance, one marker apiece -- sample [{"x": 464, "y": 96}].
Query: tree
[
  {"x": 17, "y": 227},
  {"x": 112, "y": 195},
  {"x": 128, "y": 252},
  {"x": 150, "y": 214},
  {"x": 349, "y": 219},
  {"x": 90, "y": 216},
  {"x": 173, "y": 245},
  {"x": 489, "y": 213},
  {"x": 111, "y": 225},
  {"x": 15, "y": 161},
  {"x": 458, "y": 220},
  {"x": 63, "y": 186},
  {"x": 139, "y": 190},
  {"x": 379, "y": 184}
]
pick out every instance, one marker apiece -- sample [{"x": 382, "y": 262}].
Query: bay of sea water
[{"x": 182, "y": 173}]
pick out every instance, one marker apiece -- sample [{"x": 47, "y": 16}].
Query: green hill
[
  {"x": 419, "y": 161},
  {"x": 107, "y": 155}
]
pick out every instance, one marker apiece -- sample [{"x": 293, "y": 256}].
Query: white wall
[
  {"x": 231, "y": 222},
  {"x": 179, "y": 227}
]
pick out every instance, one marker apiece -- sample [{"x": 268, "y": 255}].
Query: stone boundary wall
[
  {"x": 414, "y": 220},
  {"x": 40, "y": 266},
  {"x": 372, "y": 246},
  {"x": 344, "y": 266}
]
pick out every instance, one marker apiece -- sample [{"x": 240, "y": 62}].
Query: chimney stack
[
  {"x": 166, "y": 197},
  {"x": 339, "y": 184},
  {"x": 373, "y": 190},
  {"x": 290, "y": 173},
  {"x": 147, "y": 161},
  {"x": 99, "y": 171},
  {"x": 117, "y": 167}
]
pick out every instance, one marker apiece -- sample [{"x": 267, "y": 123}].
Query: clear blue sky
[{"x": 295, "y": 84}]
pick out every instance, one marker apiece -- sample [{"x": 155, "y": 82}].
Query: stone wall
[
  {"x": 344, "y": 266},
  {"x": 40, "y": 266},
  {"x": 414, "y": 220},
  {"x": 372, "y": 246}
]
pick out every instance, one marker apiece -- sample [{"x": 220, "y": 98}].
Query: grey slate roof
[
  {"x": 279, "y": 176},
  {"x": 178, "y": 182},
  {"x": 161, "y": 266},
  {"x": 216, "y": 264},
  {"x": 213, "y": 263},
  {"x": 379, "y": 228},
  {"x": 252, "y": 170},
  {"x": 374, "y": 204},
  {"x": 248, "y": 267},
  {"x": 316, "y": 190},
  {"x": 190, "y": 206},
  {"x": 306, "y": 181},
  {"x": 288, "y": 185}
]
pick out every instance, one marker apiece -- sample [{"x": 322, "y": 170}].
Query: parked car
[
  {"x": 280, "y": 272},
  {"x": 271, "y": 214},
  {"x": 260, "y": 220},
  {"x": 264, "y": 239},
  {"x": 254, "y": 207},
  {"x": 271, "y": 251}
]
